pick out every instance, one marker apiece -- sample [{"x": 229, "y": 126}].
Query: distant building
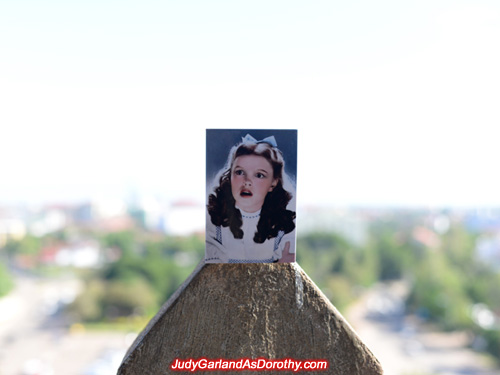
[
  {"x": 483, "y": 220},
  {"x": 488, "y": 249},
  {"x": 85, "y": 254},
  {"x": 108, "y": 215},
  {"x": 11, "y": 229},
  {"x": 148, "y": 212},
  {"x": 98, "y": 209},
  {"x": 50, "y": 220}
]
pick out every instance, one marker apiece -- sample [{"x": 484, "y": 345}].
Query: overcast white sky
[{"x": 396, "y": 102}]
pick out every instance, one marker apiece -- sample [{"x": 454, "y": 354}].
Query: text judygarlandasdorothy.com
[{"x": 248, "y": 364}]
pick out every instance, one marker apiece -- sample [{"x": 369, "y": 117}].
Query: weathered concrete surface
[{"x": 249, "y": 311}]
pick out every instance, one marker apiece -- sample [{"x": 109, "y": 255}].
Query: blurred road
[
  {"x": 34, "y": 339},
  {"x": 405, "y": 345}
]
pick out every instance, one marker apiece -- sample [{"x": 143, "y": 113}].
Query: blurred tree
[
  {"x": 129, "y": 298},
  {"x": 88, "y": 306},
  {"x": 28, "y": 245},
  {"x": 392, "y": 249},
  {"x": 125, "y": 241},
  {"x": 459, "y": 246},
  {"x": 103, "y": 300},
  {"x": 337, "y": 266},
  {"x": 150, "y": 269},
  {"x": 492, "y": 338},
  {"x": 484, "y": 287},
  {"x": 6, "y": 282},
  {"x": 340, "y": 291},
  {"x": 439, "y": 289}
]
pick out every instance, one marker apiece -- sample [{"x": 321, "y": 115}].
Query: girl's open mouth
[{"x": 246, "y": 193}]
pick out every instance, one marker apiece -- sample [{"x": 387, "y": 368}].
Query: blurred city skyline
[{"x": 395, "y": 102}]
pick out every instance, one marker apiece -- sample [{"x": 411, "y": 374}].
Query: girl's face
[{"x": 251, "y": 179}]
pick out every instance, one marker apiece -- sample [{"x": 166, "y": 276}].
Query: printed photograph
[{"x": 251, "y": 196}]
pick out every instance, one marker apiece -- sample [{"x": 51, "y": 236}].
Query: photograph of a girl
[{"x": 251, "y": 200}]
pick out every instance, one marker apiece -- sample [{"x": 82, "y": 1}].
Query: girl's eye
[
  {"x": 260, "y": 175},
  {"x": 238, "y": 172}
]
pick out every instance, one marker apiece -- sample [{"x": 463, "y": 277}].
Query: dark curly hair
[{"x": 274, "y": 215}]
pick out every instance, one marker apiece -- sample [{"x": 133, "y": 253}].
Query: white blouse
[{"x": 222, "y": 247}]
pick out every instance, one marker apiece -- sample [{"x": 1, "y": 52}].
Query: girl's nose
[{"x": 247, "y": 182}]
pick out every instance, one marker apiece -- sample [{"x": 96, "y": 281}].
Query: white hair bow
[{"x": 269, "y": 140}]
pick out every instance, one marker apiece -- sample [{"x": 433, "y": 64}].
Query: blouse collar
[{"x": 248, "y": 215}]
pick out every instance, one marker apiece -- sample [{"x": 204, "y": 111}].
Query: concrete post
[{"x": 235, "y": 311}]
